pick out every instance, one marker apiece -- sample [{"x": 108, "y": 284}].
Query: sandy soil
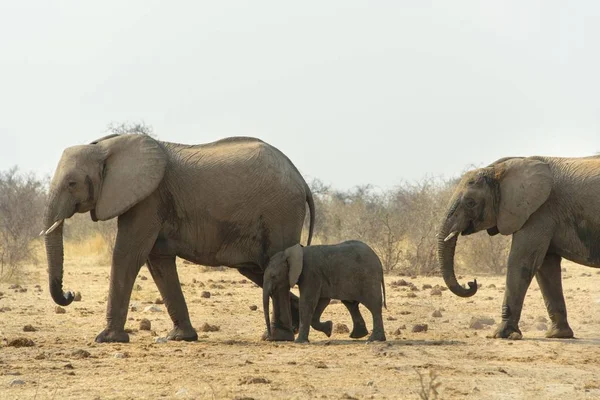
[{"x": 64, "y": 361}]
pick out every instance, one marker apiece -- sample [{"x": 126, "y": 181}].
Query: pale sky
[{"x": 354, "y": 92}]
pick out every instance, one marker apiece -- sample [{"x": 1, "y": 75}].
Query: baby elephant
[{"x": 348, "y": 271}]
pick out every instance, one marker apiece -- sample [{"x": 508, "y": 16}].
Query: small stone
[
  {"x": 475, "y": 324},
  {"x": 137, "y": 287},
  {"x": 209, "y": 328},
  {"x": 80, "y": 354},
  {"x": 120, "y": 355},
  {"x": 253, "y": 308},
  {"x": 59, "y": 310},
  {"x": 181, "y": 392},
  {"x": 159, "y": 300},
  {"x": 143, "y": 277},
  {"x": 145, "y": 325},
  {"x": 68, "y": 366},
  {"x": 253, "y": 380},
  {"x": 391, "y": 318},
  {"x": 205, "y": 295},
  {"x": 341, "y": 328},
  {"x": 16, "y": 382},
  {"x": 152, "y": 309},
  {"x": 77, "y": 296},
  {"x": 411, "y": 295},
  {"x": 492, "y": 286},
  {"x": 540, "y": 326},
  {"x": 397, "y": 332},
  {"x": 370, "y": 383},
  {"x": 160, "y": 340},
  {"x": 427, "y": 286},
  {"x": 14, "y": 286},
  {"x": 420, "y": 328},
  {"x": 29, "y": 328},
  {"x": 321, "y": 365},
  {"x": 21, "y": 342},
  {"x": 437, "y": 314},
  {"x": 435, "y": 292},
  {"x": 541, "y": 319}
]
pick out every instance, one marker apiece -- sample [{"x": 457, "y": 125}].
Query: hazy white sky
[{"x": 353, "y": 92}]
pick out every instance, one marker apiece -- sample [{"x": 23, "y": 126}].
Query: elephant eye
[{"x": 470, "y": 203}]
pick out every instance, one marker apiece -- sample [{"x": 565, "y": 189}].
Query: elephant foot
[
  {"x": 278, "y": 335},
  {"x": 560, "y": 332},
  {"x": 359, "y": 331},
  {"x": 301, "y": 340},
  {"x": 110, "y": 336},
  {"x": 187, "y": 334},
  {"x": 325, "y": 327},
  {"x": 377, "y": 337},
  {"x": 508, "y": 331}
]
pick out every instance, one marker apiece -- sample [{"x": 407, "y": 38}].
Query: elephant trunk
[
  {"x": 446, "y": 250},
  {"x": 266, "y": 308},
  {"x": 53, "y": 238}
]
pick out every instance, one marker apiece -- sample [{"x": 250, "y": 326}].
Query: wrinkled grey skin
[
  {"x": 550, "y": 206},
  {"x": 234, "y": 202},
  {"x": 348, "y": 271}
]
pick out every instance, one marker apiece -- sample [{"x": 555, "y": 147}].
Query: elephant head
[
  {"x": 499, "y": 198},
  {"x": 281, "y": 274},
  {"x": 106, "y": 177}
]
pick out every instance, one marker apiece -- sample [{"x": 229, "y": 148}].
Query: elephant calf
[{"x": 348, "y": 271}]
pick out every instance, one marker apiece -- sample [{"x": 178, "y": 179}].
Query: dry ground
[{"x": 234, "y": 363}]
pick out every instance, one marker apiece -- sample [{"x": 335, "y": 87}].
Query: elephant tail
[
  {"x": 383, "y": 288},
  {"x": 311, "y": 209}
]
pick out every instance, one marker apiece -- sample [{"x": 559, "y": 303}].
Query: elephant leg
[
  {"x": 528, "y": 250},
  {"x": 327, "y": 326},
  {"x": 359, "y": 328},
  {"x": 378, "y": 333},
  {"x": 255, "y": 274},
  {"x": 136, "y": 235},
  {"x": 164, "y": 272},
  {"x": 549, "y": 279},
  {"x": 308, "y": 304}
]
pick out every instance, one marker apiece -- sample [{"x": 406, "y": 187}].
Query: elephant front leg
[
  {"x": 526, "y": 256},
  {"x": 308, "y": 303},
  {"x": 550, "y": 281},
  {"x": 164, "y": 272},
  {"x": 122, "y": 277},
  {"x": 327, "y": 326}
]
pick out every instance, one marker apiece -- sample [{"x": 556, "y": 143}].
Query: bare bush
[
  {"x": 22, "y": 199},
  {"x": 140, "y": 128}
]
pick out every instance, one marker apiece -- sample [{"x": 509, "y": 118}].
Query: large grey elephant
[
  {"x": 349, "y": 271},
  {"x": 550, "y": 206},
  {"x": 234, "y": 202}
]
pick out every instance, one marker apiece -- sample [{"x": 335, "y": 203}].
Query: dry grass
[{"x": 232, "y": 362}]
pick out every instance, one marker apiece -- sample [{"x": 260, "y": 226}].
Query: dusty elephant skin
[
  {"x": 233, "y": 202},
  {"x": 348, "y": 271},
  {"x": 550, "y": 206}
]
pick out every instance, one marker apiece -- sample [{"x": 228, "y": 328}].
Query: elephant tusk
[
  {"x": 53, "y": 227},
  {"x": 451, "y": 235}
]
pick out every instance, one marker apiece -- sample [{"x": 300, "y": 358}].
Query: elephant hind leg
[
  {"x": 549, "y": 280},
  {"x": 359, "y": 328},
  {"x": 378, "y": 333},
  {"x": 255, "y": 274},
  {"x": 325, "y": 327},
  {"x": 164, "y": 272}
]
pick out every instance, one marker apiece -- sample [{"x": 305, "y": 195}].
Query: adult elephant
[
  {"x": 550, "y": 206},
  {"x": 233, "y": 202}
]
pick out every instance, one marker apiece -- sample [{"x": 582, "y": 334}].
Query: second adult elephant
[
  {"x": 234, "y": 202},
  {"x": 550, "y": 206}
]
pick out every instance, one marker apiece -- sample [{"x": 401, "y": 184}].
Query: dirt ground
[{"x": 64, "y": 362}]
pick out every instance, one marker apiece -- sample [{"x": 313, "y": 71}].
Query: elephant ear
[
  {"x": 133, "y": 168},
  {"x": 295, "y": 256},
  {"x": 525, "y": 185}
]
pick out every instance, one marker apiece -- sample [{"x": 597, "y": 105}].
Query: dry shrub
[{"x": 22, "y": 198}]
